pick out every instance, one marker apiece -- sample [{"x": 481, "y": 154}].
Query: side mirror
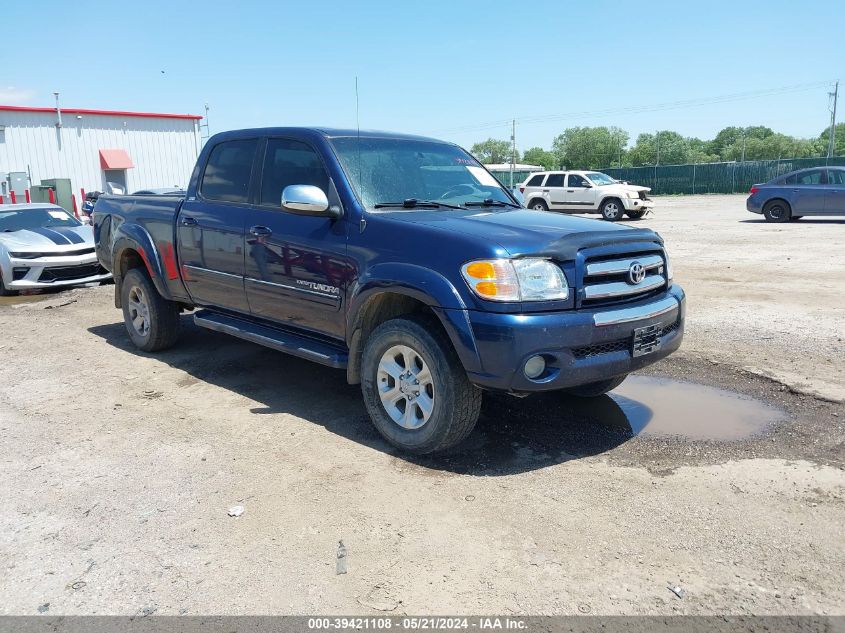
[
  {"x": 308, "y": 200},
  {"x": 587, "y": 185}
]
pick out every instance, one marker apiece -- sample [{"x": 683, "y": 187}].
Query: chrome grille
[{"x": 607, "y": 280}]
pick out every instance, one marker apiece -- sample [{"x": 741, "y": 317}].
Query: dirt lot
[{"x": 119, "y": 467}]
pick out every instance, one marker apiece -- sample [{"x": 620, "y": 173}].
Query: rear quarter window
[{"x": 535, "y": 181}]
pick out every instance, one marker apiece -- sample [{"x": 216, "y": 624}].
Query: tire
[
  {"x": 612, "y": 210},
  {"x": 539, "y": 205},
  {"x": 152, "y": 321},
  {"x": 6, "y": 293},
  {"x": 777, "y": 211},
  {"x": 795, "y": 218},
  {"x": 453, "y": 403},
  {"x": 595, "y": 389},
  {"x": 636, "y": 214}
]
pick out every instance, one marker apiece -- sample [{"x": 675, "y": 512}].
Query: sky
[{"x": 458, "y": 70}]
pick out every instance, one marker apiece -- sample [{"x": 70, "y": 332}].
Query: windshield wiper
[
  {"x": 412, "y": 203},
  {"x": 489, "y": 202}
]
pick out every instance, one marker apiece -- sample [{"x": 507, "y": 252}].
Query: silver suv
[{"x": 585, "y": 192}]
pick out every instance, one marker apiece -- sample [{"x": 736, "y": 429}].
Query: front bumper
[
  {"x": 53, "y": 272},
  {"x": 638, "y": 204},
  {"x": 579, "y": 347}
]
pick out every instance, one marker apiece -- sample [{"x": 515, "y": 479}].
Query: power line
[{"x": 670, "y": 105}]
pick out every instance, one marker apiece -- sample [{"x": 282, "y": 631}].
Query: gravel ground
[{"x": 120, "y": 467}]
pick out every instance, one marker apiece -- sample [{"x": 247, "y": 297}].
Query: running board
[{"x": 281, "y": 340}]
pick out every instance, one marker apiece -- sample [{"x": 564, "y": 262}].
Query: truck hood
[
  {"x": 54, "y": 239},
  {"x": 528, "y": 232}
]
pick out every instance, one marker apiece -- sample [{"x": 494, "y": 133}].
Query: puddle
[
  {"x": 18, "y": 299},
  {"x": 661, "y": 407}
]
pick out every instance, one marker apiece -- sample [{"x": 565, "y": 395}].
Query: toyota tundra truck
[{"x": 399, "y": 259}]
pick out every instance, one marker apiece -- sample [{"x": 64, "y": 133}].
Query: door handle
[
  {"x": 189, "y": 221},
  {"x": 570, "y": 191},
  {"x": 260, "y": 231},
  {"x": 545, "y": 191}
]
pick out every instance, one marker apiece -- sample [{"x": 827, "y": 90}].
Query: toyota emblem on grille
[{"x": 636, "y": 273}]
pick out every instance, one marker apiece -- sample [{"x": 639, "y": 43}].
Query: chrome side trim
[
  {"x": 622, "y": 288},
  {"x": 626, "y": 315},
  {"x": 295, "y": 288},
  {"x": 200, "y": 269},
  {"x": 619, "y": 266}
]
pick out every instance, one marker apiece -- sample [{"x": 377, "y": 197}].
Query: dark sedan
[{"x": 814, "y": 191}]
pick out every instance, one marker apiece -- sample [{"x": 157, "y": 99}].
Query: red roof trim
[{"x": 148, "y": 115}]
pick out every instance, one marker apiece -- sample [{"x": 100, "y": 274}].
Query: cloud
[{"x": 10, "y": 95}]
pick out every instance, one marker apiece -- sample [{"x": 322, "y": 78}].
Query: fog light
[{"x": 534, "y": 366}]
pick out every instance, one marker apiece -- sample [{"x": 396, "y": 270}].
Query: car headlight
[
  {"x": 25, "y": 255},
  {"x": 527, "y": 279},
  {"x": 633, "y": 194}
]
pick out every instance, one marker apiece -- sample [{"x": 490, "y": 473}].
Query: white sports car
[{"x": 43, "y": 246}]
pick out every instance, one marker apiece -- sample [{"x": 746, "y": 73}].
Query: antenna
[{"x": 358, "y": 128}]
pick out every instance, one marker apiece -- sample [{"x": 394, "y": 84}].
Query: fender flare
[
  {"x": 426, "y": 286},
  {"x": 136, "y": 238}
]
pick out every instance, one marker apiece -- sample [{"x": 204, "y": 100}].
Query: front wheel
[
  {"x": 777, "y": 211},
  {"x": 595, "y": 389},
  {"x": 612, "y": 210},
  {"x": 415, "y": 389},
  {"x": 635, "y": 214},
  {"x": 151, "y": 320},
  {"x": 4, "y": 292}
]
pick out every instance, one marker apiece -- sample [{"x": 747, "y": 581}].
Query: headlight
[
  {"x": 633, "y": 194},
  {"x": 528, "y": 279},
  {"x": 25, "y": 255}
]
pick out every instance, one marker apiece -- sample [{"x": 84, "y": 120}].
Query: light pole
[{"x": 831, "y": 142}]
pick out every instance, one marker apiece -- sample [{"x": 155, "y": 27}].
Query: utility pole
[
  {"x": 743, "y": 147},
  {"x": 834, "y": 97},
  {"x": 513, "y": 148}
]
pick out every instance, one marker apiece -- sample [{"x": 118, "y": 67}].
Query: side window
[
  {"x": 836, "y": 176},
  {"x": 790, "y": 180},
  {"x": 813, "y": 177},
  {"x": 576, "y": 181},
  {"x": 535, "y": 181},
  {"x": 555, "y": 180},
  {"x": 227, "y": 173},
  {"x": 290, "y": 163}
]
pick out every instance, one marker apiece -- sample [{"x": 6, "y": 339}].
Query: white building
[{"x": 92, "y": 147}]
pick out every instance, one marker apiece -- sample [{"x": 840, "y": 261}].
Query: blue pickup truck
[{"x": 398, "y": 258}]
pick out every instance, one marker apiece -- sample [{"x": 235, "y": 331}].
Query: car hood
[
  {"x": 528, "y": 232},
  {"x": 620, "y": 188},
  {"x": 54, "y": 239}
]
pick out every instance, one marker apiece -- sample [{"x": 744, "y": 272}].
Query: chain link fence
[{"x": 733, "y": 177}]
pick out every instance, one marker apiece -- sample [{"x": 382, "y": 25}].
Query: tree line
[{"x": 597, "y": 147}]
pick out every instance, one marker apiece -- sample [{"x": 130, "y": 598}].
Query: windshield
[
  {"x": 599, "y": 178},
  {"x": 35, "y": 218},
  {"x": 385, "y": 170}
]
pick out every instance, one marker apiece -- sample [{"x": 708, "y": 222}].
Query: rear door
[
  {"x": 296, "y": 265},
  {"x": 579, "y": 194},
  {"x": 210, "y": 227},
  {"x": 555, "y": 191},
  {"x": 807, "y": 194},
  {"x": 834, "y": 200}
]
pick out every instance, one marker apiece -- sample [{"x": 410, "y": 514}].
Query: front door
[
  {"x": 579, "y": 194},
  {"x": 210, "y": 228},
  {"x": 808, "y": 193},
  {"x": 834, "y": 200},
  {"x": 296, "y": 265}
]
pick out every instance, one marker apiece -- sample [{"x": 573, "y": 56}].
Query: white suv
[{"x": 585, "y": 192}]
